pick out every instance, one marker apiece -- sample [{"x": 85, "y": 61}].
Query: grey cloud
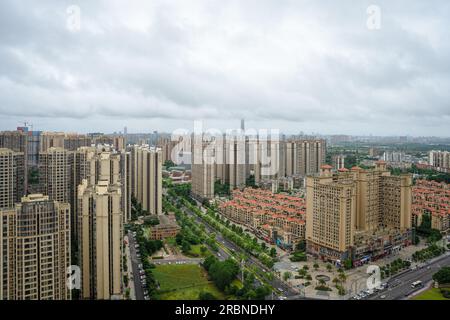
[{"x": 299, "y": 64}]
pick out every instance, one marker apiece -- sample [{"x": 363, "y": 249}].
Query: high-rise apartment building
[
  {"x": 56, "y": 174},
  {"x": 342, "y": 205},
  {"x": 203, "y": 169},
  {"x": 339, "y": 161},
  {"x": 51, "y": 140},
  {"x": 17, "y": 141},
  {"x": 125, "y": 179},
  {"x": 100, "y": 239},
  {"x": 74, "y": 141},
  {"x": 12, "y": 180},
  {"x": 305, "y": 156},
  {"x": 146, "y": 177},
  {"x": 236, "y": 151},
  {"x": 167, "y": 146},
  {"x": 439, "y": 159},
  {"x": 35, "y": 244}
]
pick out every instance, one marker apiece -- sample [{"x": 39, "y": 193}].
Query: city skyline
[
  {"x": 248, "y": 152},
  {"x": 300, "y": 66}
]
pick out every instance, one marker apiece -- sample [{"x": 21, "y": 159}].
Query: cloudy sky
[{"x": 312, "y": 66}]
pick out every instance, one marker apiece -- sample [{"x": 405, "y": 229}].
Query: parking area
[{"x": 139, "y": 278}]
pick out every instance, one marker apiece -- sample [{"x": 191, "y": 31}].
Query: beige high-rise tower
[
  {"x": 125, "y": 179},
  {"x": 202, "y": 170},
  {"x": 35, "y": 242},
  {"x": 56, "y": 174},
  {"x": 17, "y": 141},
  {"x": 12, "y": 181},
  {"x": 305, "y": 156},
  {"x": 358, "y": 201},
  {"x": 100, "y": 239},
  {"x": 100, "y": 210},
  {"x": 147, "y": 178}
]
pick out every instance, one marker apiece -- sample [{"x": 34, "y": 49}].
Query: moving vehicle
[{"x": 417, "y": 284}]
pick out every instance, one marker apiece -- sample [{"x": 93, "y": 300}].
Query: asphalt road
[
  {"x": 402, "y": 288},
  {"x": 134, "y": 263},
  {"x": 287, "y": 291}
]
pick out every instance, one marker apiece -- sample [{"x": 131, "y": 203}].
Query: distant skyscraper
[
  {"x": 305, "y": 156},
  {"x": 339, "y": 162},
  {"x": 35, "y": 257},
  {"x": 242, "y": 124},
  {"x": 439, "y": 159}
]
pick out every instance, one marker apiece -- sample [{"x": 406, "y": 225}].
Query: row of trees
[
  {"x": 191, "y": 232},
  {"x": 428, "y": 253},
  {"x": 240, "y": 238},
  {"x": 394, "y": 267}
]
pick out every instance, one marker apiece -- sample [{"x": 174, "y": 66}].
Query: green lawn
[
  {"x": 184, "y": 281},
  {"x": 431, "y": 294}
]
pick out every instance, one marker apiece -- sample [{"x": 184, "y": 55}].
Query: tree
[
  {"x": 301, "y": 246},
  {"x": 329, "y": 267},
  {"x": 287, "y": 275},
  {"x": 205, "y": 295},
  {"x": 302, "y": 273},
  {"x": 185, "y": 246},
  {"x": 442, "y": 276},
  {"x": 348, "y": 264},
  {"x": 169, "y": 164},
  {"x": 273, "y": 252},
  {"x": 316, "y": 266},
  {"x": 262, "y": 292},
  {"x": 209, "y": 261},
  {"x": 222, "y": 272}
]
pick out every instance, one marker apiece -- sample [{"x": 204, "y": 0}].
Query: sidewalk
[{"x": 130, "y": 270}]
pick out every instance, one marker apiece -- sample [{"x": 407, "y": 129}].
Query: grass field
[
  {"x": 431, "y": 294},
  {"x": 184, "y": 281}
]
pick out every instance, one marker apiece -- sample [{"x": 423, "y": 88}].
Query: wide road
[
  {"x": 403, "y": 289},
  {"x": 251, "y": 261},
  {"x": 134, "y": 263}
]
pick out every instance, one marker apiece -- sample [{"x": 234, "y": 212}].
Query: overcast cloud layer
[{"x": 310, "y": 66}]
